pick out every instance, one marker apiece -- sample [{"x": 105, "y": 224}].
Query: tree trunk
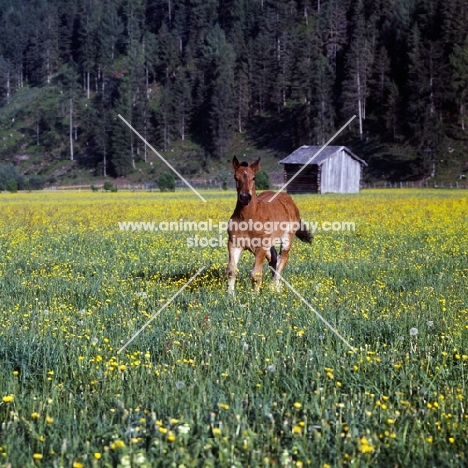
[
  {"x": 182, "y": 128},
  {"x": 239, "y": 114},
  {"x": 147, "y": 80},
  {"x": 146, "y": 129},
  {"x": 462, "y": 114},
  {"x": 322, "y": 122},
  {"x": 71, "y": 129},
  {"x": 358, "y": 77},
  {"x": 8, "y": 92},
  {"x": 165, "y": 136},
  {"x": 48, "y": 65}
]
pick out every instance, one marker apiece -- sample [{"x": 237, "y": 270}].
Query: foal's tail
[{"x": 303, "y": 233}]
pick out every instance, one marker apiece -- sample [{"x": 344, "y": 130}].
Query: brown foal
[{"x": 259, "y": 226}]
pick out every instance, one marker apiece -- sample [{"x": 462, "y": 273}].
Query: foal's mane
[{"x": 244, "y": 163}]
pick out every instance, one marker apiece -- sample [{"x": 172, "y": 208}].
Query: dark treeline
[{"x": 204, "y": 69}]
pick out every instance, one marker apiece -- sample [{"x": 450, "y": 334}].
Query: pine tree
[
  {"x": 71, "y": 89},
  {"x": 108, "y": 36},
  {"x": 122, "y": 138},
  {"x": 89, "y": 22},
  {"x": 359, "y": 61},
  {"x": 165, "y": 116},
  {"x": 136, "y": 74},
  {"x": 50, "y": 42},
  {"x": 201, "y": 17},
  {"x": 168, "y": 67},
  {"x": 424, "y": 82},
  {"x": 233, "y": 20},
  {"x": 168, "y": 56},
  {"x": 281, "y": 21},
  {"x": 380, "y": 80},
  {"x": 424, "y": 101},
  {"x": 5, "y": 80},
  {"x": 67, "y": 15},
  {"x": 100, "y": 118},
  {"x": 14, "y": 33},
  {"x": 182, "y": 102},
  {"x": 392, "y": 110},
  {"x": 219, "y": 59},
  {"x": 262, "y": 64},
  {"x": 323, "y": 113},
  {"x": 454, "y": 18},
  {"x": 459, "y": 62},
  {"x": 313, "y": 82},
  {"x": 332, "y": 25}
]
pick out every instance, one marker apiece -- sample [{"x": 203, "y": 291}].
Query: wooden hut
[{"x": 334, "y": 169}]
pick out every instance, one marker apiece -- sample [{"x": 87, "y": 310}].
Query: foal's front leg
[
  {"x": 231, "y": 271},
  {"x": 257, "y": 272}
]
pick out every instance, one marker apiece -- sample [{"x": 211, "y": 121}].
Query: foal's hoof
[{"x": 256, "y": 287}]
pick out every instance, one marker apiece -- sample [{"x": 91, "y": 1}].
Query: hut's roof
[{"x": 308, "y": 154}]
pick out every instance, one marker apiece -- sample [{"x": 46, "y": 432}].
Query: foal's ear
[
  {"x": 235, "y": 163},
  {"x": 255, "y": 166}
]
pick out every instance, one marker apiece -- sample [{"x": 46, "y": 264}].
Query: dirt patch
[
  {"x": 63, "y": 170},
  {"x": 20, "y": 157}
]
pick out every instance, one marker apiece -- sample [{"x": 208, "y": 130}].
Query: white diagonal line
[
  {"x": 161, "y": 309},
  {"x": 316, "y": 154},
  {"x": 164, "y": 160},
  {"x": 313, "y": 310}
]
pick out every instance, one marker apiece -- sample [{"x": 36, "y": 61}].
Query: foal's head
[{"x": 245, "y": 179}]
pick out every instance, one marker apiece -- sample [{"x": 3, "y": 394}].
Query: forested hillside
[{"x": 281, "y": 72}]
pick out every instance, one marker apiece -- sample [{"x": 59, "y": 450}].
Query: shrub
[
  {"x": 166, "y": 182},
  {"x": 8, "y": 172},
  {"x": 36, "y": 182},
  {"x": 224, "y": 181},
  {"x": 109, "y": 186},
  {"x": 11, "y": 186},
  {"x": 94, "y": 188},
  {"x": 262, "y": 180}
]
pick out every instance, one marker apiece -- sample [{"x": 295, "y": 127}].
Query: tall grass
[{"x": 254, "y": 380}]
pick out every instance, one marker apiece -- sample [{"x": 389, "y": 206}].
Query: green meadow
[{"x": 254, "y": 380}]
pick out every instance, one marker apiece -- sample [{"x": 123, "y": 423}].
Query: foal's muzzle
[{"x": 245, "y": 198}]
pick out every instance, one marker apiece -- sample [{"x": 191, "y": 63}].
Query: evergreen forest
[{"x": 196, "y": 77}]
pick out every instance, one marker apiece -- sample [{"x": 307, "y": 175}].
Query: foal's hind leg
[
  {"x": 272, "y": 258},
  {"x": 282, "y": 261}
]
